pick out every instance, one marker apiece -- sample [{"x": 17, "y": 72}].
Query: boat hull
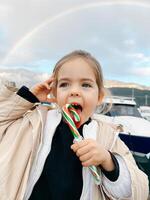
[
  {"x": 140, "y": 148},
  {"x": 136, "y": 143}
]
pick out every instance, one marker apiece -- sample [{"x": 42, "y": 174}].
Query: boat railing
[{"x": 120, "y": 99}]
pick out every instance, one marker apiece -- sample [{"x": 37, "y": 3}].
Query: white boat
[
  {"x": 145, "y": 112},
  {"x": 134, "y": 130}
]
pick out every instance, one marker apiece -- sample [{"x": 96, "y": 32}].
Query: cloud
[
  {"x": 141, "y": 71},
  {"x": 140, "y": 57},
  {"x": 5, "y": 10},
  {"x": 129, "y": 42}
]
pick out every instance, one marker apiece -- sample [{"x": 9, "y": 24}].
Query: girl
[{"x": 38, "y": 160}]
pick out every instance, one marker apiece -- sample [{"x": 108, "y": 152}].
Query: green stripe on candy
[{"x": 71, "y": 125}]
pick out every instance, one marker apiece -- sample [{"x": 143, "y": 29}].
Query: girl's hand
[
  {"x": 92, "y": 153},
  {"x": 41, "y": 90}
]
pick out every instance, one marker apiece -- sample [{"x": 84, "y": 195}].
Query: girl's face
[{"x": 76, "y": 85}]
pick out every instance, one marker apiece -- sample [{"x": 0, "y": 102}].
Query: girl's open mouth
[{"x": 78, "y": 109}]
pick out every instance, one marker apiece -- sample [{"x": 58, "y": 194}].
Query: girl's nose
[{"x": 75, "y": 92}]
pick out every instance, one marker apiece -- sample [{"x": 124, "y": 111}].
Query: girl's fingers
[
  {"x": 47, "y": 86},
  {"x": 49, "y": 80},
  {"x": 88, "y": 163},
  {"x": 50, "y": 83},
  {"x": 82, "y": 151},
  {"x": 85, "y": 157},
  {"x": 76, "y": 146}
]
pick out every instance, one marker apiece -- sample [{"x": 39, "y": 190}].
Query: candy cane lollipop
[{"x": 67, "y": 110}]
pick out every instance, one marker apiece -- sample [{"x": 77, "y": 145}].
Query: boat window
[{"x": 123, "y": 110}]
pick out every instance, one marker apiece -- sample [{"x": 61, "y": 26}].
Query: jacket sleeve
[
  {"x": 139, "y": 180},
  {"x": 20, "y": 138},
  {"x": 12, "y": 106}
]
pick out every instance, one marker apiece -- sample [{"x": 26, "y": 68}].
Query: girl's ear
[{"x": 101, "y": 97}]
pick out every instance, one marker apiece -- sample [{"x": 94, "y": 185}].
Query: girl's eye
[
  {"x": 64, "y": 84},
  {"x": 86, "y": 85}
]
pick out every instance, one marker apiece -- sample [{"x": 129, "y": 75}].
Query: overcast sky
[{"x": 34, "y": 34}]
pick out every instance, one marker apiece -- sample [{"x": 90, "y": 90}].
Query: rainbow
[{"x": 19, "y": 43}]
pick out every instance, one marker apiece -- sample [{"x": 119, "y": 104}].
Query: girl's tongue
[{"x": 78, "y": 110}]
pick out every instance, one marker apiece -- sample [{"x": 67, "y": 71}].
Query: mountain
[
  {"x": 140, "y": 93},
  {"x": 22, "y": 76},
  {"x": 119, "y": 84},
  {"x": 29, "y": 78}
]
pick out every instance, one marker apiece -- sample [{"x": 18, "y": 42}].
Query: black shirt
[{"x": 61, "y": 178}]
